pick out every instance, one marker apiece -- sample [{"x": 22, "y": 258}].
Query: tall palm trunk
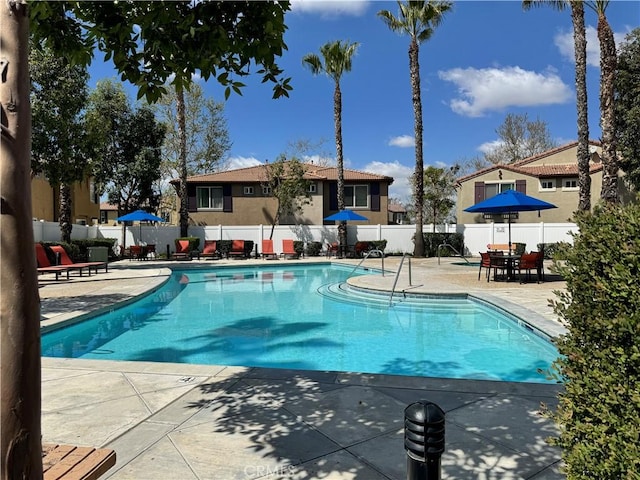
[
  {"x": 418, "y": 175},
  {"x": 580, "y": 47},
  {"x": 21, "y": 455},
  {"x": 337, "y": 119},
  {"x": 608, "y": 63},
  {"x": 182, "y": 135},
  {"x": 66, "y": 225}
]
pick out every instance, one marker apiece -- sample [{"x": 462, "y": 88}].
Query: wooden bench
[
  {"x": 501, "y": 247},
  {"x": 68, "y": 462}
]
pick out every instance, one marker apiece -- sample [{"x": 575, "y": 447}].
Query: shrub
[
  {"x": 298, "y": 247},
  {"x": 83, "y": 246},
  {"x": 433, "y": 240},
  {"x": 600, "y": 363},
  {"x": 555, "y": 251},
  {"x": 313, "y": 249},
  {"x": 378, "y": 245}
]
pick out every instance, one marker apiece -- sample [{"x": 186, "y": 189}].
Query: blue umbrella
[
  {"x": 507, "y": 202},
  {"x": 137, "y": 216},
  {"x": 344, "y": 215}
]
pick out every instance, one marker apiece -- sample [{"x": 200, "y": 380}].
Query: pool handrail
[
  {"x": 445, "y": 244},
  {"x": 395, "y": 282},
  {"x": 379, "y": 252}
]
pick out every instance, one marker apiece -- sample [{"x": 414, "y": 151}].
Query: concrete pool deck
[{"x": 176, "y": 421}]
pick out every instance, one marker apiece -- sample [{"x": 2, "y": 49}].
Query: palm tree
[
  {"x": 336, "y": 59},
  {"x": 580, "y": 53},
  {"x": 608, "y": 66},
  {"x": 418, "y": 19}
]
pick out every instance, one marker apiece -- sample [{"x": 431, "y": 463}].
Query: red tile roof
[
  {"x": 542, "y": 170},
  {"x": 257, "y": 174}
]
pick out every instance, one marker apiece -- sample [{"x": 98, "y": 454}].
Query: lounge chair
[
  {"x": 183, "y": 250},
  {"x": 267, "y": 250},
  {"x": 210, "y": 249},
  {"x": 44, "y": 265},
  {"x": 65, "y": 259},
  {"x": 237, "y": 249},
  {"x": 287, "y": 249}
]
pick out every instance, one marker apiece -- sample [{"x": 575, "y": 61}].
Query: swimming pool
[{"x": 297, "y": 316}]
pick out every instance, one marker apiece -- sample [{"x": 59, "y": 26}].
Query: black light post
[{"x": 423, "y": 440}]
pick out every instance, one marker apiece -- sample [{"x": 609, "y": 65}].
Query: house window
[
  {"x": 548, "y": 184},
  {"x": 103, "y": 216},
  {"x": 312, "y": 188},
  {"x": 570, "y": 184},
  {"x": 248, "y": 190},
  {"x": 356, "y": 196},
  {"x": 209, "y": 197},
  {"x": 493, "y": 189},
  {"x": 266, "y": 190}
]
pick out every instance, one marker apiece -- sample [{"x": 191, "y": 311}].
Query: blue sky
[{"x": 486, "y": 60}]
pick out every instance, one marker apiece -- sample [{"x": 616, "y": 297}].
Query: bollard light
[{"x": 423, "y": 440}]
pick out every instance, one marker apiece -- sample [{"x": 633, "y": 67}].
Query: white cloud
[
  {"x": 234, "y": 163},
  {"x": 564, "y": 42},
  {"x": 330, "y": 8},
  {"x": 401, "y": 186},
  {"x": 488, "y": 89},
  {"x": 403, "y": 141},
  {"x": 490, "y": 147}
]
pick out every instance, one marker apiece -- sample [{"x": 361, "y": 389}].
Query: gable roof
[
  {"x": 521, "y": 166},
  {"x": 256, "y": 174}
]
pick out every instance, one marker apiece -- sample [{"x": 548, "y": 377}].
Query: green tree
[
  {"x": 334, "y": 60},
  {"x": 600, "y": 354},
  {"x": 580, "y": 54},
  {"x": 286, "y": 182},
  {"x": 627, "y": 106},
  {"x": 206, "y": 139},
  {"x": 608, "y": 65},
  {"x": 59, "y": 148},
  {"x": 127, "y": 147},
  {"x": 220, "y": 39},
  {"x": 417, "y": 19},
  {"x": 520, "y": 138},
  {"x": 439, "y": 193}
]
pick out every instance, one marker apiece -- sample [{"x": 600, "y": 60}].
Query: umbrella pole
[{"x": 509, "y": 233}]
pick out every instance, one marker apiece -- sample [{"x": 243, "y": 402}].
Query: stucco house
[
  {"x": 551, "y": 176},
  {"x": 45, "y": 201},
  {"x": 241, "y": 196}
]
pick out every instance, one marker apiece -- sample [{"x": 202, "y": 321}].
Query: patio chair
[
  {"x": 237, "y": 249},
  {"x": 183, "y": 250},
  {"x": 287, "y": 249},
  {"x": 333, "y": 248},
  {"x": 65, "y": 260},
  {"x": 531, "y": 261},
  {"x": 210, "y": 249},
  {"x": 44, "y": 265},
  {"x": 267, "y": 250}
]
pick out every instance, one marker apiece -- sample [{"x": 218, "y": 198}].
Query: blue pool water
[{"x": 296, "y": 316}]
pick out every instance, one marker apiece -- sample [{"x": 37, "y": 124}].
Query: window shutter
[
  {"x": 375, "y": 197},
  {"x": 478, "y": 192},
  {"x": 333, "y": 196},
  {"x": 227, "y": 199},
  {"x": 192, "y": 205},
  {"x": 521, "y": 186}
]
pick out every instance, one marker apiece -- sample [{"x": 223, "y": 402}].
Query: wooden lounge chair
[
  {"x": 44, "y": 265},
  {"x": 69, "y": 462},
  {"x": 287, "y": 249},
  {"x": 65, "y": 259},
  {"x": 183, "y": 250},
  {"x": 267, "y": 250},
  {"x": 237, "y": 249},
  {"x": 210, "y": 249}
]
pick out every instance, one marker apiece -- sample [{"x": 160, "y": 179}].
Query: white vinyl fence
[{"x": 399, "y": 237}]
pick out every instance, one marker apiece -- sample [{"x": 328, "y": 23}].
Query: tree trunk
[
  {"x": 182, "y": 134},
  {"x": 418, "y": 175},
  {"x": 580, "y": 47},
  {"x": 337, "y": 118},
  {"x": 608, "y": 64},
  {"x": 65, "y": 221},
  {"x": 19, "y": 302}
]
